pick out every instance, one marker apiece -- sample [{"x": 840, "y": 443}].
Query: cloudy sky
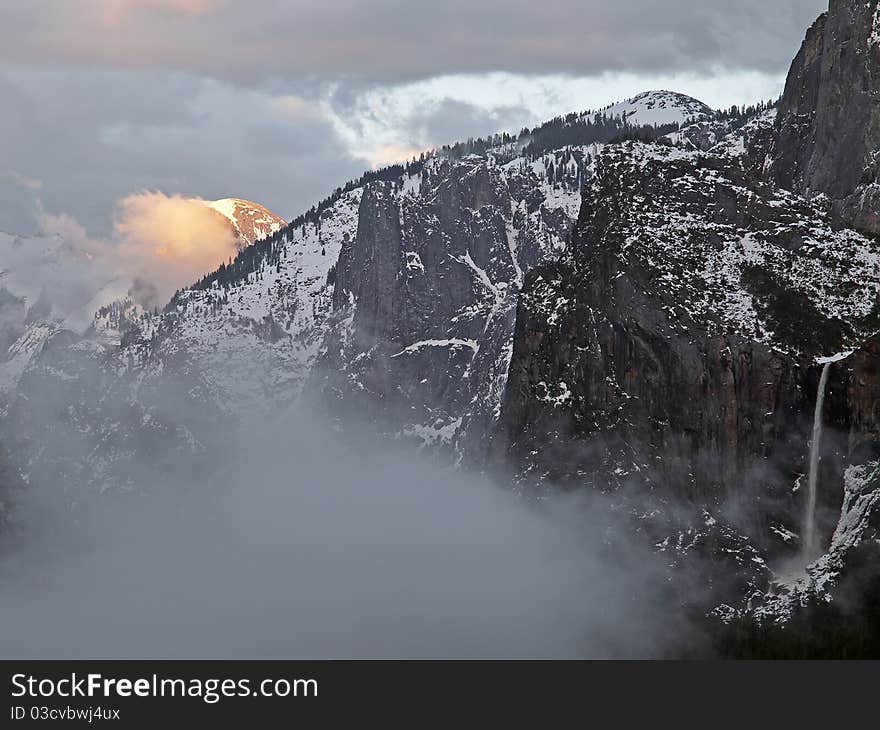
[{"x": 280, "y": 101}]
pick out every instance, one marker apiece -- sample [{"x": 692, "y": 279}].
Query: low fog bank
[{"x": 303, "y": 545}]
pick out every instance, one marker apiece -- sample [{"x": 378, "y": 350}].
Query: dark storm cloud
[
  {"x": 77, "y": 141},
  {"x": 280, "y": 102},
  {"x": 395, "y": 39}
]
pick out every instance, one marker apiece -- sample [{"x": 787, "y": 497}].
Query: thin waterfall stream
[{"x": 810, "y": 544}]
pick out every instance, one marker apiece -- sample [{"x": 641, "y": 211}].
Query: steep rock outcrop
[
  {"x": 426, "y": 289},
  {"x": 829, "y": 116},
  {"x": 673, "y": 353}
]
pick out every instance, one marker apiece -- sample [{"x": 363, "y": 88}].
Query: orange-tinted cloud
[
  {"x": 160, "y": 243},
  {"x": 170, "y": 241}
]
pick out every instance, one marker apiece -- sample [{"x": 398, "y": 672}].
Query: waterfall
[{"x": 810, "y": 544}]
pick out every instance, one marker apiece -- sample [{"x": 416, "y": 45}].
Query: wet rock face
[{"x": 829, "y": 117}]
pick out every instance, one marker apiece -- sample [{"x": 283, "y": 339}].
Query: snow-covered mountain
[
  {"x": 50, "y": 285},
  {"x": 474, "y": 220},
  {"x": 659, "y": 108},
  {"x": 252, "y": 222},
  {"x": 628, "y": 300},
  {"x": 453, "y": 237},
  {"x": 46, "y": 285}
]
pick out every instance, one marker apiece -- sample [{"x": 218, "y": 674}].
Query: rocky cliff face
[
  {"x": 426, "y": 289},
  {"x": 673, "y": 353},
  {"x": 829, "y": 117}
]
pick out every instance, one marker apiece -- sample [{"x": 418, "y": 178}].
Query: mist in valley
[{"x": 304, "y": 543}]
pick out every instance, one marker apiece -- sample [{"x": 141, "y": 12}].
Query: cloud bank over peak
[
  {"x": 159, "y": 243},
  {"x": 103, "y": 98},
  {"x": 170, "y": 241}
]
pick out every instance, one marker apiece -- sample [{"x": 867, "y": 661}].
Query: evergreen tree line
[{"x": 744, "y": 113}]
